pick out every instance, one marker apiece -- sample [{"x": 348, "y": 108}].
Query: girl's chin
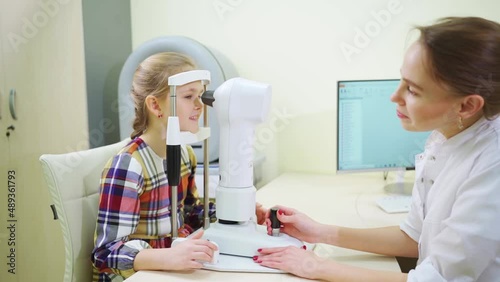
[{"x": 191, "y": 129}]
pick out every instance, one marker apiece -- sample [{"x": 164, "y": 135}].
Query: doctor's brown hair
[
  {"x": 151, "y": 78},
  {"x": 464, "y": 54}
]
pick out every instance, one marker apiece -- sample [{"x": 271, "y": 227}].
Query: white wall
[
  {"x": 42, "y": 58},
  {"x": 296, "y": 46}
]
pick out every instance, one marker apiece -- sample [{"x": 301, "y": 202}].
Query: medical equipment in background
[{"x": 240, "y": 105}]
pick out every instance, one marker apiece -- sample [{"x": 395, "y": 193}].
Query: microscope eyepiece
[{"x": 208, "y": 98}]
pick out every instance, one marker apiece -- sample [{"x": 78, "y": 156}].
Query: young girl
[
  {"x": 134, "y": 223},
  {"x": 450, "y": 84}
]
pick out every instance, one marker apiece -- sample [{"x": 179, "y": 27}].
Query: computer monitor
[{"x": 370, "y": 136}]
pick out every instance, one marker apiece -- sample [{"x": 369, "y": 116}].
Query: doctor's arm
[
  {"x": 308, "y": 265},
  {"x": 385, "y": 240},
  {"x": 390, "y": 241}
]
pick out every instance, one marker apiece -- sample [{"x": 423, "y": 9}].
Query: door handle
[{"x": 12, "y": 103}]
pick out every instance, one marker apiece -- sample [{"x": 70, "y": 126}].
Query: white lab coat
[{"x": 455, "y": 213}]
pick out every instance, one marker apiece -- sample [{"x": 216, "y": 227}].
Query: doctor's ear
[{"x": 471, "y": 105}]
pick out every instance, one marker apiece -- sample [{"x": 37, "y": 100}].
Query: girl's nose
[{"x": 197, "y": 103}]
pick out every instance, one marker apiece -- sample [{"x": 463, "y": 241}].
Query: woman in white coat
[{"x": 450, "y": 84}]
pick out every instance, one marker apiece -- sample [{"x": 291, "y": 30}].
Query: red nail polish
[
  {"x": 255, "y": 257},
  {"x": 304, "y": 247},
  {"x": 259, "y": 250},
  {"x": 259, "y": 261},
  {"x": 280, "y": 212}
]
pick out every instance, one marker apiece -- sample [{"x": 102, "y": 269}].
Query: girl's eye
[{"x": 410, "y": 90}]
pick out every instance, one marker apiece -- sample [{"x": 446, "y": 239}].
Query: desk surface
[{"x": 346, "y": 200}]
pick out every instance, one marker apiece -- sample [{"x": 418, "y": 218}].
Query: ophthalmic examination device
[{"x": 240, "y": 105}]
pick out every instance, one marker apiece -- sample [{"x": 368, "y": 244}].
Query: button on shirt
[{"x": 455, "y": 213}]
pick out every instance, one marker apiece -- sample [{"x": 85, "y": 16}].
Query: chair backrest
[{"x": 73, "y": 182}]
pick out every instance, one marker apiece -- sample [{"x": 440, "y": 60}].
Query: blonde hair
[{"x": 151, "y": 78}]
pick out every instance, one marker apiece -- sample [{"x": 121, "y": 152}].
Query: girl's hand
[
  {"x": 261, "y": 213},
  {"x": 191, "y": 253}
]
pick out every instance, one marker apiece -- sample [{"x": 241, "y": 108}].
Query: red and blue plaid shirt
[{"x": 134, "y": 208}]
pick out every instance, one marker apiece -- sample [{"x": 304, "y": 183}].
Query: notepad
[{"x": 395, "y": 203}]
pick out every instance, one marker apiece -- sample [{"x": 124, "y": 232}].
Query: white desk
[{"x": 347, "y": 200}]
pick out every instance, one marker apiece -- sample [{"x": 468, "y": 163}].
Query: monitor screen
[{"x": 370, "y": 136}]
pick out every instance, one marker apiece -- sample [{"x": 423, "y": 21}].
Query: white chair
[{"x": 73, "y": 181}]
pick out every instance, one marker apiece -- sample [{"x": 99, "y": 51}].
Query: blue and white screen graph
[{"x": 370, "y": 136}]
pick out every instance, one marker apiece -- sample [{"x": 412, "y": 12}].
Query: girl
[{"x": 133, "y": 224}]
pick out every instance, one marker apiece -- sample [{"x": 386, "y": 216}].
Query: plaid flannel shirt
[{"x": 134, "y": 208}]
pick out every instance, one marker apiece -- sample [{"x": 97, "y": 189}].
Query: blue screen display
[{"x": 370, "y": 136}]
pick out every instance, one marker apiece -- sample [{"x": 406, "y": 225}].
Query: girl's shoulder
[
  {"x": 133, "y": 146},
  {"x": 132, "y": 152}
]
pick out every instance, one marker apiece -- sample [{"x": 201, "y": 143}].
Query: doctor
[{"x": 450, "y": 84}]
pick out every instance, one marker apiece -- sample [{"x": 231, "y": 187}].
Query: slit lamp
[{"x": 240, "y": 105}]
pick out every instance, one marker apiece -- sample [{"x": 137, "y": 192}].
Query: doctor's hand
[
  {"x": 261, "y": 213},
  {"x": 291, "y": 259},
  {"x": 296, "y": 224}
]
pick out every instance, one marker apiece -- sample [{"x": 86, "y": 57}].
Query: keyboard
[{"x": 395, "y": 203}]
